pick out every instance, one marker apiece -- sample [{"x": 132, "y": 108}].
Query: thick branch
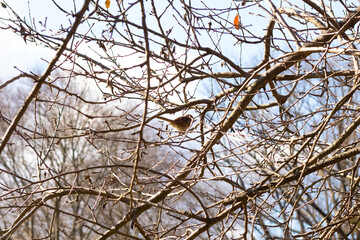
[{"x": 44, "y": 76}]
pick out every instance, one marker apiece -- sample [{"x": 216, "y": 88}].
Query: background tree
[{"x": 272, "y": 152}]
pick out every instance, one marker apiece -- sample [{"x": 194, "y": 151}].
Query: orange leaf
[
  {"x": 236, "y": 22},
  {"x": 107, "y": 3}
]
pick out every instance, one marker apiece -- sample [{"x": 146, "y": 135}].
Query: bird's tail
[{"x": 165, "y": 119}]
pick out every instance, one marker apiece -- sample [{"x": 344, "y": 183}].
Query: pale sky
[
  {"x": 27, "y": 57},
  {"x": 14, "y": 50}
]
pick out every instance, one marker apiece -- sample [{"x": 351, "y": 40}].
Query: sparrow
[{"x": 181, "y": 123}]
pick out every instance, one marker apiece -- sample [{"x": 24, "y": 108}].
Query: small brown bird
[{"x": 181, "y": 123}]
